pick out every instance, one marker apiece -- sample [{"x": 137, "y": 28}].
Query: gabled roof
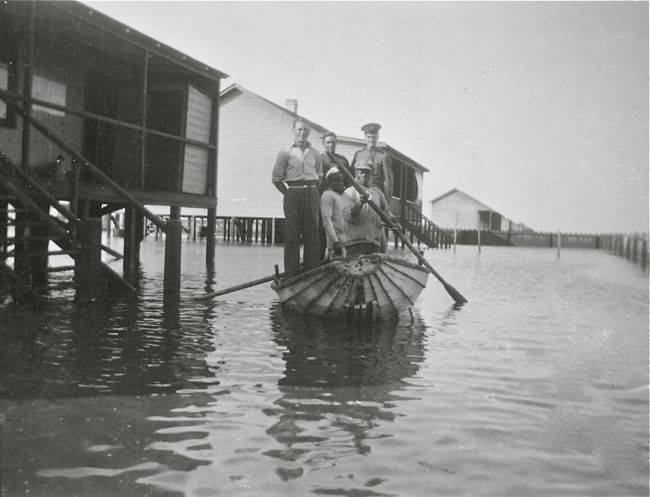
[
  {"x": 459, "y": 192},
  {"x": 323, "y": 129},
  {"x": 235, "y": 86}
]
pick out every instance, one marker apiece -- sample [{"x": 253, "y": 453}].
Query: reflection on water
[
  {"x": 538, "y": 386},
  {"x": 339, "y": 381}
]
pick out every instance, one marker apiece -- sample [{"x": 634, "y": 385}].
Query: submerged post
[
  {"x": 88, "y": 266},
  {"x": 172, "y": 277},
  {"x": 210, "y": 235},
  {"x": 132, "y": 238}
]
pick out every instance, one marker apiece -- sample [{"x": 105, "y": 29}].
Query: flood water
[{"x": 537, "y": 387}]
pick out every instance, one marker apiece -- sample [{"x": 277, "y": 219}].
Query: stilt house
[{"x": 96, "y": 117}]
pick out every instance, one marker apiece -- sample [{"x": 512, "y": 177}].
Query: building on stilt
[{"x": 95, "y": 118}]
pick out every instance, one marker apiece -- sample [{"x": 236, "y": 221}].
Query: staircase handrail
[
  {"x": 93, "y": 168},
  {"x": 418, "y": 220},
  {"x": 52, "y": 201}
]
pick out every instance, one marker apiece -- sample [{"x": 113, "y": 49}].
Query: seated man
[
  {"x": 333, "y": 207},
  {"x": 365, "y": 229}
]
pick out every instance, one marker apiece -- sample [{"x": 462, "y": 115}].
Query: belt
[{"x": 301, "y": 184}]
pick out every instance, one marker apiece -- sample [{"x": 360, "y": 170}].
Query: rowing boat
[{"x": 379, "y": 283}]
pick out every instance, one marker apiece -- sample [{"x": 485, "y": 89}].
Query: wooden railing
[
  {"x": 26, "y": 191},
  {"x": 8, "y": 98},
  {"x": 421, "y": 227}
]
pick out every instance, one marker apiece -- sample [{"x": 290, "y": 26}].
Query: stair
[
  {"x": 418, "y": 226},
  {"x": 28, "y": 227}
]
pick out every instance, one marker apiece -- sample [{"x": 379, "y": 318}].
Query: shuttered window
[{"x": 197, "y": 127}]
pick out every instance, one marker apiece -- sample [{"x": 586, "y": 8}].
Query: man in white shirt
[{"x": 297, "y": 174}]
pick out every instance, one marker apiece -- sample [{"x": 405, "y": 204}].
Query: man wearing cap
[
  {"x": 297, "y": 174},
  {"x": 382, "y": 176},
  {"x": 330, "y": 158},
  {"x": 365, "y": 229},
  {"x": 333, "y": 208}
]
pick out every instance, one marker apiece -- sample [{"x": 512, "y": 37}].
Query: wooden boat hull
[{"x": 378, "y": 282}]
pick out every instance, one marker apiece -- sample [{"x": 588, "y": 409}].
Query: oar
[
  {"x": 231, "y": 289},
  {"x": 455, "y": 294}
]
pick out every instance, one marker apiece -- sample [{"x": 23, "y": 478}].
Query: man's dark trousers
[{"x": 301, "y": 207}]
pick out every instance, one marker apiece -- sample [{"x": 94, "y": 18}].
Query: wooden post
[
  {"x": 559, "y": 244},
  {"x": 644, "y": 253},
  {"x": 74, "y": 187},
  {"x": 4, "y": 225},
  {"x": 210, "y": 235},
  {"x": 88, "y": 264},
  {"x": 130, "y": 263},
  {"x": 478, "y": 231},
  {"x": 173, "y": 239},
  {"x": 28, "y": 60},
  {"x": 38, "y": 248},
  {"x": 455, "y": 232},
  {"x": 272, "y": 231},
  {"x": 22, "y": 230}
]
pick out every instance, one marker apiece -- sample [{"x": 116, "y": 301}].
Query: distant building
[
  {"x": 253, "y": 129},
  {"x": 457, "y": 209}
]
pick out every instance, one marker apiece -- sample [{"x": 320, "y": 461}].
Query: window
[
  {"x": 7, "y": 82},
  {"x": 50, "y": 91}
]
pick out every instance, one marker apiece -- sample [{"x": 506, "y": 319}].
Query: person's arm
[
  {"x": 388, "y": 176},
  {"x": 319, "y": 170},
  {"x": 326, "y": 210},
  {"x": 383, "y": 242},
  {"x": 359, "y": 202},
  {"x": 282, "y": 188},
  {"x": 279, "y": 171}
]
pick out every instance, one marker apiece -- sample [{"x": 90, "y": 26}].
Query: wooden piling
[
  {"x": 88, "y": 265},
  {"x": 210, "y": 234},
  {"x": 131, "y": 261},
  {"x": 173, "y": 239}
]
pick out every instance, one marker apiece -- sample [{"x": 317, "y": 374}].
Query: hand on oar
[{"x": 455, "y": 294}]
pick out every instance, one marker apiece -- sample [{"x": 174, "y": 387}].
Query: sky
[{"x": 537, "y": 109}]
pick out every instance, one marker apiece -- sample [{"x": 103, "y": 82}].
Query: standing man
[
  {"x": 330, "y": 158},
  {"x": 297, "y": 174},
  {"x": 382, "y": 176}
]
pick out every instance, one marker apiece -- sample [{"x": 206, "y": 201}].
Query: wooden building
[
  {"x": 253, "y": 130},
  {"x": 457, "y": 209},
  {"x": 97, "y": 117}
]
